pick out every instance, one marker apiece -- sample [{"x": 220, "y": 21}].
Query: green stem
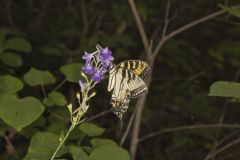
[{"x": 62, "y": 141}]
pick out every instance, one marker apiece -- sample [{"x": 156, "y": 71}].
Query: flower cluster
[{"x": 97, "y": 63}]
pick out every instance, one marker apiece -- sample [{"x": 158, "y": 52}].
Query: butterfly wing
[
  {"x": 127, "y": 81},
  {"x": 112, "y": 78},
  {"x": 138, "y": 67},
  {"x": 135, "y": 84}
]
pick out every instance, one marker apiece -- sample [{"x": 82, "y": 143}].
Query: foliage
[{"x": 41, "y": 45}]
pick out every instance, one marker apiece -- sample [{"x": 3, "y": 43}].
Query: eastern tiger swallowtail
[{"x": 127, "y": 81}]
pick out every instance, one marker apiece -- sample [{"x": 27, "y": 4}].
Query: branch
[
  {"x": 166, "y": 19},
  {"x": 137, "y": 122},
  {"x": 128, "y": 129},
  {"x": 44, "y": 91},
  {"x": 84, "y": 18},
  {"x": 220, "y": 142},
  {"x": 187, "y": 26},
  {"x": 98, "y": 115},
  {"x": 223, "y": 149},
  {"x": 222, "y": 117},
  {"x": 60, "y": 85},
  {"x": 201, "y": 126},
  {"x": 9, "y": 15},
  {"x": 139, "y": 25},
  {"x": 151, "y": 60}
]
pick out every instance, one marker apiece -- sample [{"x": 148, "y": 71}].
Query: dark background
[{"x": 59, "y": 31}]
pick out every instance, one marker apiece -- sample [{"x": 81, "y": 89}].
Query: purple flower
[
  {"x": 102, "y": 70},
  {"x": 106, "y": 57},
  {"x": 87, "y": 56},
  {"x": 88, "y": 68},
  {"x": 106, "y": 51},
  {"x": 97, "y": 75},
  {"x": 82, "y": 85}
]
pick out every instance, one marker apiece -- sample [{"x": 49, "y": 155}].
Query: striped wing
[
  {"x": 138, "y": 67},
  {"x": 126, "y": 79},
  {"x": 112, "y": 78}
]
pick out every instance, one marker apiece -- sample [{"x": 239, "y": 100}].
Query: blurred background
[{"x": 41, "y": 48}]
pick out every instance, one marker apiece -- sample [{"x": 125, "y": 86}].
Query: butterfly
[{"x": 127, "y": 81}]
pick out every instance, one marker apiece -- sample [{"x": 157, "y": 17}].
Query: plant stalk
[{"x": 62, "y": 141}]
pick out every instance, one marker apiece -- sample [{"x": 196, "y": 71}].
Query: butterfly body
[{"x": 127, "y": 81}]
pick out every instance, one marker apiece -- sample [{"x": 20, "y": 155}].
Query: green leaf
[
  {"x": 10, "y": 84},
  {"x": 109, "y": 152},
  {"x": 102, "y": 141},
  {"x": 36, "y": 77},
  {"x": 18, "y": 44},
  {"x": 57, "y": 127},
  {"x": 3, "y": 33},
  {"x": 91, "y": 129},
  {"x": 11, "y": 59},
  {"x": 78, "y": 153},
  {"x": 42, "y": 146},
  {"x": 55, "y": 98},
  {"x": 225, "y": 89},
  {"x": 19, "y": 113},
  {"x": 72, "y": 72},
  {"x": 232, "y": 11}
]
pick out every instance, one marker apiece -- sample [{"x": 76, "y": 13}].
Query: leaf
[
  {"x": 102, "y": 141},
  {"x": 55, "y": 98},
  {"x": 18, "y": 44},
  {"x": 10, "y": 84},
  {"x": 232, "y": 11},
  {"x": 109, "y": 152},
  {"x": 72, "y": 72},
  {"x": 36, "y": 77},
  {"x": 42, "y": 146},
  {"x": 11, "y": 59},
  {"x": 78, "y": 153},
  {"x": 19, "y": 113},
  {"x": 225, "y": 89},
  {"x": 3, "y": 33},
  {"x": 91, "y": 129}
]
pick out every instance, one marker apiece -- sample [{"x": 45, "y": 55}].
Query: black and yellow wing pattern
[{"x": 127, "y": 81}]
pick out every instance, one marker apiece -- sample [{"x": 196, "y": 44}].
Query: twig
[
  {"x": 223, "y": 149},
  {"x": 98, "y": 115},
  {"x": 222, "y": 117},
  {"x": 230, "y": 156},
  {"x": 137, "y": 121},
  {"x": 59, "y": 85},
  {"x": 128, "y": 129},
  {"x": 44, "y": 91},
  {"x": 187, "y": 26},
  {"x": 201, "y": 126},
  {"x": 9, "y": 15},
  {"x": 166, "y": 18},
  {"x": 139, "y": 25},
  {"x": 10, "y": 148},
  {"x": 141, "y": 102},
  {"x": 218, "y": 143},
  {"x": 84, "y": 18}
]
